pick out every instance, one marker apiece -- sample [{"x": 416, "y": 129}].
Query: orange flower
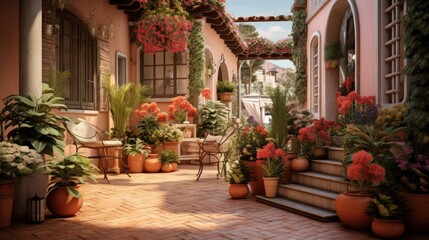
[{"x": 206, "y": 93}]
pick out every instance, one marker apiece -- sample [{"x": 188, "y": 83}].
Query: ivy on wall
[
  {"x": 416, "y": 40},
  {"x": 299, "y": 56},
  {"x": 196, "y": 63}
]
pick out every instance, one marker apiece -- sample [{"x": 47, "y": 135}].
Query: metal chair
[
  {"x": 86, "y": 135},
  {"x": 215, "y": 146}
]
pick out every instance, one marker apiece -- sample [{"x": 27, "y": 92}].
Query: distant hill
[{"x": 268, "y": 66}]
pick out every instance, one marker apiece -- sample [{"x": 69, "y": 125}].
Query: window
[
  {"x": 76, "y": 51},
  {"x": 393, "y": 85},
  {"x": 121, "y": 68},
  {"x": 314, "y": 75},
  {"x": 165, "y": 73}
]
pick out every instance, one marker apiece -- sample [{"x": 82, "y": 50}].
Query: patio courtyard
[{"x": 175, "y": 206}]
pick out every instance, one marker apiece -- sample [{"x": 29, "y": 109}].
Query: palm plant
[
  {"x": 239, "y": 173},
  {"x": 123, "y": 100}
]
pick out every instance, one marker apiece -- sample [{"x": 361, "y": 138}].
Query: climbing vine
[
  {"x": 196, "y": 63},
  {"x": 416, "y": 40},
  {"x": 299, "y": 56}
]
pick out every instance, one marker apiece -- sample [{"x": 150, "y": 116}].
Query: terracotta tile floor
[{"x": 175, "y": 206}]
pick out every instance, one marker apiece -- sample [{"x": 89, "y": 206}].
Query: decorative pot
[
  {"x": 152, "y": 164},
  {"x": 351, "y": 208},
  {"x": 136, "y": 163},
  {"x": 166, "y": 167},
  {"x": 153, "y": 148},
  {"x": 238, "y": 191},
  {"x": 226, "y": 97},
  {"x": 417, "y": 219},
  {"x": 113, "y": 161},
  {"x": 299, "y": 164},
  {"x": 319, "y": 152},
  {"x": 270, "y": 184},
  {"x": 61, "y": 204},
  {"x": 173, "y": 146},
  {"x": 257, "y": 183},
  {"x": 174, "y": 166},
  {"x": 7, "y": 190},
  {"x": 385, "y": 228}
]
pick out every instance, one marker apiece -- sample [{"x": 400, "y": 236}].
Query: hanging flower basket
[{"x": 164, "y": 29}]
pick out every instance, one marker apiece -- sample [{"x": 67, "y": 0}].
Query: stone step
[
  {"x": 331, "y": 167},
  {"x": 321, "y": 181},
  {"x": 300, "y": 208},
  {"x": 336, "y": 153},
  {"x": 308, "y": 195}
]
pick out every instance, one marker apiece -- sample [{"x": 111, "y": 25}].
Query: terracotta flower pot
[
  {"x": 238, "y": 191},
  {"x": 7, "y": 190},
  {"x": 299, "y": 164},
  {"x": 173, "y": 146},
  {"x": 61, "y": 204},
  {"x": 225, "y": 97},
  {"x": 271, "y": 184},
  {"x": 166, "y": 167},
  {"x": 384, "y": 228},
  {"x": 174, "y": 166},
  {"x": 417, "y": 217},
  {"x": 257, "y": 183},
  {"x": 152, "y": 164},
  {"x": 351, "y": 208},
  {"x": 319, "y": 152},
  {"x": 136, "y": 163}
]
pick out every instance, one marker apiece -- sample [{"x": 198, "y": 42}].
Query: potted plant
[
  {"x": 15, "y": 161},
  {"x": 150, "y": 119},
  {"x": 302, "y": 148},
  {"x": 64, "y": 198},
  {"x": 333, "y": 54},
  {"x": 273, "y": 168},
  {"x": 387, "y": 208},
  {"x": 225, "y": 90},
  {"x": 180, "y": 110},
  {"x": 167, "y": 158},
  {"x": 168, "y": 136},
  {"x": 136, "y": 151},
  {"x": 238, "y": 177},
  {"x": 212, "y": 117}
]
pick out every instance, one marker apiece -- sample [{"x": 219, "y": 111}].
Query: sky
[{"x": 272, "y": 30}]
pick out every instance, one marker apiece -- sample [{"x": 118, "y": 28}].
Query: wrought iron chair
[
  {"x": 86, "y": 135},
  {"x": 215, "y": 146}
]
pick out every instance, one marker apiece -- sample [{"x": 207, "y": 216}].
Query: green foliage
[
  {"x": 225, "y": 86},
  {"x": 70, "y": 171},
  {"x": 196, "y": 63},
  {"x": 212, "y": 117},
  {"x": 333, "y": 51},
  {"x": 416, "y": 37},
  {"x": 387, "y": 204},
  {"x": 299, "y": 56},
  {"x": 55, "y": 80},
  {"x": 135, "y": 146},
  {"x": 279, "y": 115},
  {"x": 167, "y": 133},
  {"x": 273, "y": 167},
  {"x": 146, "y": 127},
  {"x": 123, "y": 100},
  {"x": 32, "y": 121},
  {"x": 238, "y": 173},
  {"x": 168, "y": 156}
]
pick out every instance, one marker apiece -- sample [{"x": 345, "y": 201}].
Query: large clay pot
[
  {"x": 166, "y": 167},
  {"x": 257, "y": 183},
  {"x": 351, "y": 208},
  {"x": 319, "y": 153},
  {"x": 417, "y": 217},
  {"x": 238, "y": 191},
  {"x": 136, "y": 163},
  {"x": 299, "y": 164},
  {"x": 225, "y": 97},
  {"x": 7, "y": 190},
  {"x": 61, "y": 204},
  {"x": 271, "y": 184},
  {"x": 384, "y": 228},
  {"x": 173, "y": 146},
  {"x": 174, "y": 166},
  {"x": 152, "y": 164}
]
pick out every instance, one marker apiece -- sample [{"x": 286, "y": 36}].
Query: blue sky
[{"x": 271, "y": 30}]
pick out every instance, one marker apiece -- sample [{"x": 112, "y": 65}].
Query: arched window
[
  {"x": 165, "y": 73},
  {"x": 393, "y": 81},
  {"x": 315, "y": 76},
  {"x": 76, "y": 51}
]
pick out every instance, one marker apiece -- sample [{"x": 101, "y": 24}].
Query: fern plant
[{"x": 238, "y": 173}]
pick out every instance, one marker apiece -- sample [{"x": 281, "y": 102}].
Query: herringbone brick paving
[{"x": 175, "y": 206}]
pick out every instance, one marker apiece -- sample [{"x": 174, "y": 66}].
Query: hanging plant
[{"x": 165, "y": 28}]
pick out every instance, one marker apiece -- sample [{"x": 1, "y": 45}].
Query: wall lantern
[{"x": 35, "y": 209}]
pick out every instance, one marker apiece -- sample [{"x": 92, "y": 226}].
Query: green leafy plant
[
  {"x": 279, "y": 113},
  {"x": 31, "y": 121},
  {"x": 123, "y": 100},
  {"x": 169, "y": 156},
  {"x": 225, "y": 86},
  {"x": 212, "y": 117},
  {"x": 70, "y": 171},
  {"x": 55, "y": 80},
  {"x": 333, "y": 51},
  {"x": 386, "y": 204},
  {"x": 238, "y": 173},
  {"x": 167, "y": 133},
  {"x": 135, "y": 146},
  {"x": 196, "y": 62},
  {"x": 273, "y": 167},
  {"x": 299, "y": 55}
]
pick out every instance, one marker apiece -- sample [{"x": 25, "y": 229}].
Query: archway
[{"x": 346, "y": 31}]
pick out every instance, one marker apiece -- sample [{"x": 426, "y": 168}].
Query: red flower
[
  {"x": 206, "y": 93},
  {"x": 363, "y": 171}
]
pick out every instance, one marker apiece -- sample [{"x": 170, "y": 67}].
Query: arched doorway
[{"x": 342, "y": 26}]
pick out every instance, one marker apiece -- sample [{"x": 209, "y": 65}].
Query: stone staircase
[{"x": 312, "y": 193}]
